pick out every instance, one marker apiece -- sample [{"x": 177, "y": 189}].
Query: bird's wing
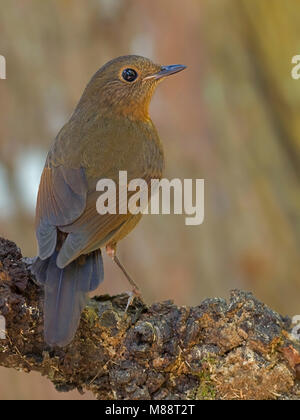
[
  {"x": 65, "y": 202},
  {"x": 61, "y": 200},
  {"x": 91, "y": 230}
]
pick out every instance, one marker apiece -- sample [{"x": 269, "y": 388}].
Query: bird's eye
[{"x": 129, "y": 75}]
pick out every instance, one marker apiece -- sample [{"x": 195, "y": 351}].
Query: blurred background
[{"x": 231, "y": 118}]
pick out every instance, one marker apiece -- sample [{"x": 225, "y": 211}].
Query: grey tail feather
[{"x": 66, "y": 294}]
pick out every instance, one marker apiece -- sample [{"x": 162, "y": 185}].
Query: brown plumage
[{"x": 109, "y": 131}]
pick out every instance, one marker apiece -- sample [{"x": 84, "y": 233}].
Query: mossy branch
[{"x": 239, "y": 349}]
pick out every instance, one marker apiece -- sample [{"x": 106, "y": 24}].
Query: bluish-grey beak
[{"x": 166, "y": 71}]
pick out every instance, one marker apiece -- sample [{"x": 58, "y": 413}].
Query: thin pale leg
[{"x": 111, "y": 252}]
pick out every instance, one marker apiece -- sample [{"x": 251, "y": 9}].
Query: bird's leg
[{"x": 111, "y": 252}]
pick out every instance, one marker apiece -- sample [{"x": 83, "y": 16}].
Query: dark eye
[{"x": 129, "y": 75}]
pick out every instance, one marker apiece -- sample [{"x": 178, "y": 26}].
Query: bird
[{"x": 109, "y": 131}]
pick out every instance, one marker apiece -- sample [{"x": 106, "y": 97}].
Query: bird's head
[{"x": 124, "y": 86}]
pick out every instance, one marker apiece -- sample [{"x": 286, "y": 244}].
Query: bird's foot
[{"x": 111, "y": 252}]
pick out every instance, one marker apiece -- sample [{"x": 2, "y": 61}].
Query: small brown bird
[{"x": 109, "y": 131}]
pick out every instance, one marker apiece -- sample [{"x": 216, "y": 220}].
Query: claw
[
  {"x": 130, "y": 300},
  {"x": 134, "y": 293}
]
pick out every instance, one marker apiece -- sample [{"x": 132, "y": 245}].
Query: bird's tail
[{"x": 66, "y": 293}]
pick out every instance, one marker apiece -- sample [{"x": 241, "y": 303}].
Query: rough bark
[{"x": 239, "y": 349}]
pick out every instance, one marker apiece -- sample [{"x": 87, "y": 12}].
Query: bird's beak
[{"x": 166, "y": 71}]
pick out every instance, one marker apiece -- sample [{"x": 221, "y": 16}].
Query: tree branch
[{"x": 239, "y": 349}]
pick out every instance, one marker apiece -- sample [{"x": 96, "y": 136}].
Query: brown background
[{"x": 232, "y": 118}]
